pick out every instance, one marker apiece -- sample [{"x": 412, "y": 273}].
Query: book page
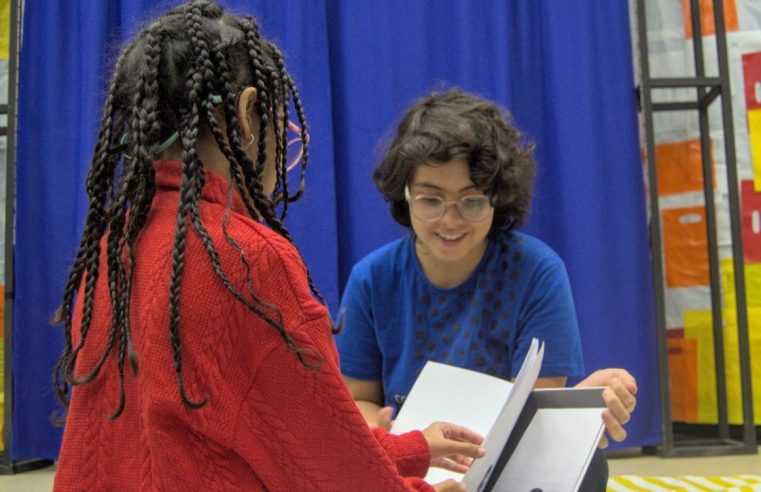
[
  {"x": 452, "y": 394},
  {"x": 479, "y": 472},
  {"x": 444, "y": 393},
  {"x": 554, "y": 452}
]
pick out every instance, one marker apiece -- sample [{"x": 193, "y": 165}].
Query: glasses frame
[
  {"x": 410, "y": 199},
  {"x": 292, "y": 141}
]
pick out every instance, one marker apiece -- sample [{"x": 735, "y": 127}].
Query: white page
[
  {"x": 495, "y": 440},
  {"x": 559, "y": 468},
  {"x": 452, "y": 394},
  {"x": 444, "y": 393}
]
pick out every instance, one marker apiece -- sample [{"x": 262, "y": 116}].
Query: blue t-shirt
[{"x": 396, "y": 320}]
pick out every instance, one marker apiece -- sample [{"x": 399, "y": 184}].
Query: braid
[
  {"x": 252, "y": 35},
  {"x": 200, "y": 45},
  {"x": 304, "y": 138},
  {"x": 201, "y": 230},
  {"x": 190, "y": 162},
  {"x": 229, "y": 101},
  {"x": 239, "y": 165},
  {"x": 139, "y": 188},
  {"x": 234, "y": 152},
  {"x": 188, "y": 137},
  {"x": 98, "y": 187},
  {"x": 256, "y": 53},
  {"x": 238, "y": 158},
  {"x": 281, "y": 135},
  {"x": 281, "y": 166},
  {"x": 219, "y": 137},
  {"x": 167, "y": 80},
  {"x": 254, "y": 182},
  {"x": 214, "y": 256},
  {"x": 201, "y": 49}
]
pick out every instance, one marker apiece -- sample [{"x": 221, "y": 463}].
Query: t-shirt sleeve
[
  {"x": 548, "y": 314},
  {"x": 359, "y": 354}
]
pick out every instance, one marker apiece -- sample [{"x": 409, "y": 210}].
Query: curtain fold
[{"x": 564, "y": 69}]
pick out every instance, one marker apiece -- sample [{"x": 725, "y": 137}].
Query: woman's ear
[{"x": 247, "y": 113}]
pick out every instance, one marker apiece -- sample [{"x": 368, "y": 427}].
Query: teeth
[{"x": 451, "y": 237}]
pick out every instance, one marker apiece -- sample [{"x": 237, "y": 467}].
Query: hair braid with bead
[{"x": 167, "y": 80}]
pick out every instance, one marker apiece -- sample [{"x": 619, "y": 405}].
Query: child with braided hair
[{"x": 187, "y": 276}]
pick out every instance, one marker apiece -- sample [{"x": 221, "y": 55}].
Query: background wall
[
  {"x": 563, "y": 68},
  {"x": 681, "y": 199}
]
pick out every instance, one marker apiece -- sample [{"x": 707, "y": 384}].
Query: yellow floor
[
  {"x": 633, "y": 462},
  {"x": 626, "y": 462}
]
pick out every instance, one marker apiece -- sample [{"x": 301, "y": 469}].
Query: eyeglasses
[
  {"x": 295, "y": 145},
  {"x": 430, "y": 208}
]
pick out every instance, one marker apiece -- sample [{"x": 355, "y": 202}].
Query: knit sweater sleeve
[
  {"x": 299, "y": 428},
  {"x": 408, "y": 451}
]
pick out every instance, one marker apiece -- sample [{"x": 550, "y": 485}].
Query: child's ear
[{"x": 247, "y": 112}]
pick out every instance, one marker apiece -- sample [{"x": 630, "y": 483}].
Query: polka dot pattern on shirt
[{"x": 469, "y": 325}]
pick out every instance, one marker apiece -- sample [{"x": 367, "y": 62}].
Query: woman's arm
[
  {"x": 552, "y": 382},
  {"x": 368, "y": 395}
]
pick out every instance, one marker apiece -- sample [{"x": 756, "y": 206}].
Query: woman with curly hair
[{"x": 466, "y": 287}]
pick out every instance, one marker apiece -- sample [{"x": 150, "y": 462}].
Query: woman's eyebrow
[{"x": 439, "y": 188}]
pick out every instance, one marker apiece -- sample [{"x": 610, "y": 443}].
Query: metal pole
[
  {"x": 655, "y": 235},
  {"x": 713, "y": 244},
  {"x": 10, "y": 204},
  {"x": 7, "y": 465},
  {"x": 749, "y": 433}
]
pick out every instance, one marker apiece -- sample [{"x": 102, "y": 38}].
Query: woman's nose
[{"x": 451, "y": 213}]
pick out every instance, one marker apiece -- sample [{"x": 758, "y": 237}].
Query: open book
[{"x": 534, "y": 439}]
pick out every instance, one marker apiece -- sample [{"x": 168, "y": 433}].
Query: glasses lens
[
  {"x": 430, "y": 208},
  {"x": 427, "y": 208},
  {"x": 474, "y": 208}
]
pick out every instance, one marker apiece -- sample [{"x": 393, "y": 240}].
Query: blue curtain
[{"x": 562, "y": 68}]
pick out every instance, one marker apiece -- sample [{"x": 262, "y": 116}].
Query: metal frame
[
  {"x": 707, "y": 90},
  {"x": 7, "y": 465}
]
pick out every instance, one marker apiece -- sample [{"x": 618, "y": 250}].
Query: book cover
[{"x": 534, "y": 439}]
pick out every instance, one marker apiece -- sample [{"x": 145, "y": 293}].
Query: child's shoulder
[{"x": 263, "y": 248}]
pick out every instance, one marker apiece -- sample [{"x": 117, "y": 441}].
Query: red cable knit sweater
[{"x": 270, "y": 422}]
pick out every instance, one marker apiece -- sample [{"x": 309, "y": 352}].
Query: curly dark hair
[
  {"x": 182, "y": 73},
  {"x": 453, "y": 124}
]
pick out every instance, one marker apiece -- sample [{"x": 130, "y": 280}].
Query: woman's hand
[
  {"x": 619, "y": 398},
  {"x": 453, "y": 447}
]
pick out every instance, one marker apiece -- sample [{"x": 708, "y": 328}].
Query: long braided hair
[{"x": 178, "y": 75}]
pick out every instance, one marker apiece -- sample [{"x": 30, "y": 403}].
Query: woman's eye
[
  {"x": 431, "y": 201},
  {"x": 474, "y": 202}
]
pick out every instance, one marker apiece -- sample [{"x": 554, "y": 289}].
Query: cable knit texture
[{"x": 270, "y": 423}]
